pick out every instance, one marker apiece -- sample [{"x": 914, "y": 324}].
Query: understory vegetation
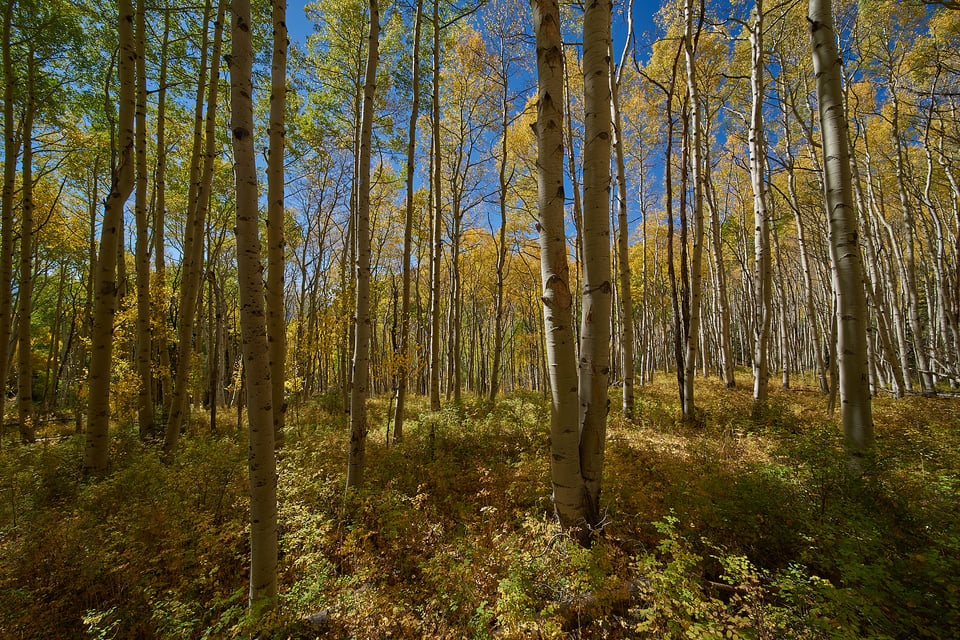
[{"x": 733, "y": 527}]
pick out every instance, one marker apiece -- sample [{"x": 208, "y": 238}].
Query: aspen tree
[
  {"x": 253, "y": 327},
  {"x": 105, "y": 279},
  {"x": 361, "y": 350},
  {"x": 9, "y": 186},
  {"x": 595, "y": 334},
  {"x": 623, "y": 230},
  {"x": 763, "y": 264},
  {"x": 198, "y": 202},
  {"x": 25, "y": 348},
  {"x": 436, "y": 233},
  {"x": 569, "y": 491},
  {"x": 695, "y": 143},
  {"x": 145, "y": 413},
  {"x": 159, "y": 218},
  {"x": 276, "y": 318},
  {"x": 851, "y": 315},
  {"x": 405, "y": 359}
]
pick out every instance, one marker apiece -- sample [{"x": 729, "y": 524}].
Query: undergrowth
[{"x": 731, "y": 528}]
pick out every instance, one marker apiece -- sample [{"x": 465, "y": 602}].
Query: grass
[{"x": 734, "y": 527}]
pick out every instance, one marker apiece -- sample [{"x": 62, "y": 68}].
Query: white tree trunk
[
  {"x": 851, "y": 313},
  {"x": 253, "y": 325}
]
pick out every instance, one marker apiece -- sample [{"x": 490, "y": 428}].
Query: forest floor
[{"x": 735, "y": 527}]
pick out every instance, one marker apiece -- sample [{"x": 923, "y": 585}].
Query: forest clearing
[{"x": 732, "y": 528}]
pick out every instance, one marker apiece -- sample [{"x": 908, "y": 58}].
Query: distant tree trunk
[
  {"x": 405, "y": 359},
  {"x": 910, "y": 281},
  {"x": 569, "y": 491},
  {"x": 193, "y": 250},
  {"x": 104, "y": 299},
  {"x": 808, "y": 306},
  {"x": 361, "y": 351},
  {"x": 595, "y": 336},
  {"x": 25, "y": 349},
  {"x": 763, "y": 265},
  {"x": 851, "y": 313},
  {"x": 145, "y": 416},
  {"x": 437, "y": 247},
  {"x": 9, "y": 185},
  {"x": 723, "y": 300},
  {"x": 276, "y": 318},
  {"x": 262, "y": 460}
]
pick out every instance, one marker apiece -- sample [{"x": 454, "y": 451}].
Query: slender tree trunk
[
  {"x": 262, "y": 460},
  {"x": 193, "y": 251},
  {"x": 361, "y": 350},
  {"x": 844, "y": 243},
  {"x": 910, "y": 282},
  {"x": 159, "y": 224},
  {"x": 145, "y": 415},
  {"x": 763, "y": 265},
  {"x": 501, "y": 245},
  {"x": 405, "y": 359},
  {"x": 693, "y": 326},
  {"x": 9, "y": 185},
  {"x": 623, "y": 236},
  {"x": 276, "y": 318},
  {"x": 723, "y": 300},
  {"x": 104, "y": 301},
  {"x": 437, "y": 249},
  {"x": 25, "y": 348}
]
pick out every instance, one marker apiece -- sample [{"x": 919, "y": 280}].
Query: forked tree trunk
[
  {"x": 253, "y": 328},
  {"x": 105, "y": 284},
  {"x": 851, "y": 313},
  {"x": 361, "y": 350},
  {"x": 276, "y": 318},
  {"x": 569, "y": 491}
]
